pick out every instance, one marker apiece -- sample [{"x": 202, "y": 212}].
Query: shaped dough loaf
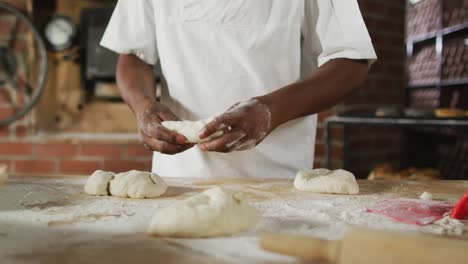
[
  {"x": 215, "y": 212},
  {"x": 326, "y": 181},
  {"x": 98, "y": 183},
  {"x": 137, "y": 184},
  {"x": 190, "y": 129}
]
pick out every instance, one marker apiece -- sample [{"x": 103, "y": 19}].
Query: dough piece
[
  {"x": 98, "y": 183},
  {"x": 449, "y": 112},
  {"x": 326, "y": 181},
  {"x": 426, "y": 196},
  {"x": 215, "y": 212},
  {"x": 3, "y": 174},
  {"x": 137, "y": 184},
  {"x": 190, "y": 129}
]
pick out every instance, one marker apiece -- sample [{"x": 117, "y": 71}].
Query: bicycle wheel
[{"x": 19, "y": 95}]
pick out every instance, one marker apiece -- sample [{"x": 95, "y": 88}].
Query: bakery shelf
[
  {"x": 419, "y": 85},
  {"x": 432, "y": 35},
  {"x": 446, "y": 83},
  {"x": 422, "y": 37},
  {"x": 459, "y": 123},
  {"x": 454, "y": 29},
  {"x": 443, "y": 83}
]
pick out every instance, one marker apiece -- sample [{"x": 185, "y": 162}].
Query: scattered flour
[
  {"x": 55, "y": 213},
  {"x": 446, "y": 226}
]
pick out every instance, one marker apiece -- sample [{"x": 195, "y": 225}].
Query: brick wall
[
  {"x": 29, "y": 155},
  {"x": 385, "y": 86},
  {"x": 26, "y": 152}
]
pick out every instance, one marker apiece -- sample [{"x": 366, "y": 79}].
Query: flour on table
[
  {"x": 215, "y": 212},
  {"x": 137, "y": 184},
  {"x": 190, "y": 129},
  {"x": 426, "y": 196},
  {"x": 98, "y": 183},
  {"x": 326, "y": 181},
  {"x": 445, "y": 226}
]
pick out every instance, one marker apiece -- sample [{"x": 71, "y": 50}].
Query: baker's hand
[
  {"x": 154, "y": 136},
  {"x": 245, "y": 125}
]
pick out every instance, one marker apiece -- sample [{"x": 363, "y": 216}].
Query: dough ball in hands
[
  {"x": 215, "y": 212},
  {"x": 326, "y": 181},
  {"x": 190, "y": 129},
  {"x": 137, "y": 184},
  {"x": 98, "y": 183}
]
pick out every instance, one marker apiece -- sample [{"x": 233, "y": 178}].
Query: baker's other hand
[
  {"x": 153, "y": 135},
  {"x": 245, "y": 125}
]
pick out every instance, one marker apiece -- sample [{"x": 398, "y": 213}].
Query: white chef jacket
[{"x": 214, "y": 53}]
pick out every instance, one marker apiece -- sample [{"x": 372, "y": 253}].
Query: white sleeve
[
  {"x": 132, "y": 30},
  {"x": 334, "y": 29}
]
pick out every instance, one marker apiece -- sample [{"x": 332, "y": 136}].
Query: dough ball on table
[
  {"x": 98, "y": 183},
  {"x": 190, "y": 129},
  {"x": 3, "y": 174},
  {"x": 137, "y": 184},
  {"x": 215, "y": 212},
  {"x": 426, "y": 196},
  {"x": 326, "y": 181}
]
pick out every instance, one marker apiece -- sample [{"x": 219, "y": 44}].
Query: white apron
[{"x": 214, "y": 53}]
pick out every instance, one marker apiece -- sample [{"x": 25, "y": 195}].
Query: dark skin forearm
[
  {"x": 135, "y": 81},
  {"x": 323, "y": 89},
  {"x": 137, "y": 85}
]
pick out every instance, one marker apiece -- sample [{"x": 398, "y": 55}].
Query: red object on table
[
  {"x": 460, "y": 210},
  {"x": 412, "y": 211}
]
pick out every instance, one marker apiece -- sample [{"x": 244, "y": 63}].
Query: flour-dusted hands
[
  {"x": 150, "y": 114},
  {"x": 245, "y": 125}
]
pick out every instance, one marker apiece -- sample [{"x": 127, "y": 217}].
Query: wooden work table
[{"x": 51, "y": 220}]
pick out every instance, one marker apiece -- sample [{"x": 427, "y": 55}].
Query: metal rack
[
  {"x": 438, "y": 36},
  {"x": 346, "y": 121}
]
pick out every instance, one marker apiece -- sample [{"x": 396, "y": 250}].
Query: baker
[{"x": 264, "y": 68}]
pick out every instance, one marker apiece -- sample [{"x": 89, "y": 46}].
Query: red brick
[
  {"x": 21, "y": 131},
  {"x": 122, "y": 166},
  {"x": 20, "y": 45},
  {"x": 318, "y": 163},
  {"x": 336, "y": 152},
  {"x": 319, "y": 135},
  {"x": 337, "y": 133},
  {"x": 55, "y": 150},
  {"x": 101, "y": 150},
  {"x": 319, "y": 150},
  {"x": 137, "y": 150},
  {"x": 35, "y": 166},
  {"x": 15, "y": 148},
  {"x": 5, "y": 112},
  {"x": 78, "y": 167},
  {"x": 4, "y": 132},
  {"x": 22, "y": 28},
  {"x": 5, "y": 25},
  {"x": 5, "y": 97},
  {"x": 16, "y": 3}
]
